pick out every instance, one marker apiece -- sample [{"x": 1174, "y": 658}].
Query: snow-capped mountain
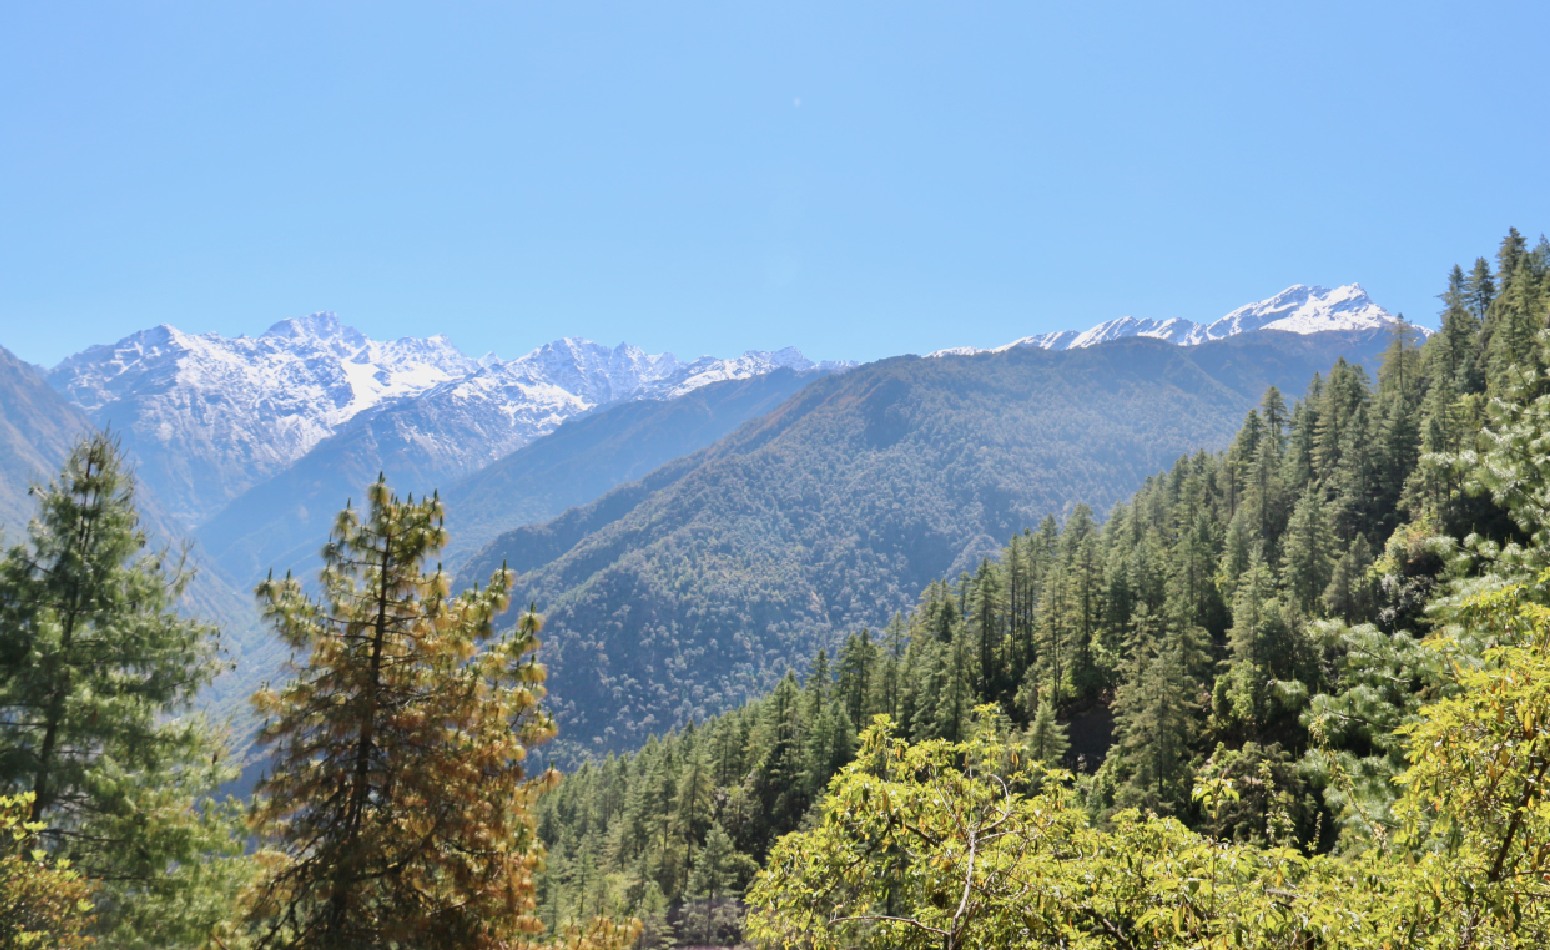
[
  {"x": 1304, "y": 309},
  {"x": 464, "y": 424},
  {"x": 208, "y": 417},
  {"x": 1297, "y": 309}
]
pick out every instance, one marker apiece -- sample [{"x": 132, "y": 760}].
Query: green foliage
[
  {"x": 962, "y": 844},
  {"x": 1249, "y": 623},
  {"x": 97, "y": 675},
  {"x": 1476, "y": 787},
  {"x": 689, "y": 592}
]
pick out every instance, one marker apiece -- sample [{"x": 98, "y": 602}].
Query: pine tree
[
  {"x": 97, "y": 674},
  {"x": 858, "y": 661},
  {"x": 1306, "y": 562},
  {"x": 1154, "y": 721},
  {"x": 1046, "y": 737},
  {"x": 398, "y": 797},
  {"x": 1479, "y": 288},
  {"x": 987, "y": 613},
  {"x": 719, "y": 871},
  {"x": 779, "y": 785}
]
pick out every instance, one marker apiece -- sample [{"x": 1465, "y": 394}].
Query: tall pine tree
[
  {"x": 399, "y": 800},
  {"x": 97, "y": 675}
]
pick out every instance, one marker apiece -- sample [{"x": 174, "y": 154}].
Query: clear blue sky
[{"x": 857, "y": 179}]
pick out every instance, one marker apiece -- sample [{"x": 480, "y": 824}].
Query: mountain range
[
  {"x": 725, "y": 516},
  {"x": 209, "y": 418},
  {"x": 696, "y": 587},
  {"x": 1300, "y": 308}
]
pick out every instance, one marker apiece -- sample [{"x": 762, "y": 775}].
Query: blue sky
[{"x": 856, "y": 179}]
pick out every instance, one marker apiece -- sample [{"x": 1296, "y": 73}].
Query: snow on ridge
[
  {"x": 1300, "y": 308},
  {"x": 213, "y": 415},
  {"x": 1304, "y": 309}
]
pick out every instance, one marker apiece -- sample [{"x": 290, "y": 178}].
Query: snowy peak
[
  {"x": 707, "y": 370},
  {"x": 1173, "y": 330},
  {"x": 1299, "y": 308},
  {"x": 212, "y": 416},
  {"x": 1304, "y": 309},
  {"x": 319, "y": 327},
  {"x": 597, "y": 373}
]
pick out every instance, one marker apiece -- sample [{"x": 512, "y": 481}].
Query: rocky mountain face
[
  {"x": 208, "y": 418},
  {"x": 37, "y": 429},
  {"x": 1299, "y": 308}
]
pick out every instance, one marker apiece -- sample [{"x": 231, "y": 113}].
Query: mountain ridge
[
  {"x": 1301, "y": 308},
  {"x": 208, "y": 417},
  {"x": 686, "y": 591}
]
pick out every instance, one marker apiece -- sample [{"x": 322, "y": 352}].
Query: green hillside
[
  {"x": 1240, "y": 649},
  {"x": 698, "y": 586},
  {"x": 586, "y": 457}
]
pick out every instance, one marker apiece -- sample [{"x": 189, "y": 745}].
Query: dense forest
[
  {"x": 1292, "y": 694},
  {"x": 697, "y": 588},
  {"x": 1242, "y": 647}
]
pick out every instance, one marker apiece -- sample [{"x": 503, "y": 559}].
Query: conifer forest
[{"x": 1290, "y": 694}]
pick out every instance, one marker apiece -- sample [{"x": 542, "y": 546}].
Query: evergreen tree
[
  {"x": 1351, "y": 593},
  {"x": 97, "y": 675},
  {"x": 857, "y": 667},
  {"x": 780, "y": 779},
  {"x": 1047, "y": 737},
  {"x": 1306, "y": 564},
  {"x": 398, "y": 797},
  {"x": 720, "y": 872},
  {"x": 1154, "y": 722},
  {"x": 1479, "y": 289}
]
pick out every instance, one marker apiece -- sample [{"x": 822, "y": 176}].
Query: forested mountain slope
[
  {"x": 586, "y": 457},
  {"x": 694, "y": 588},
  {"x": 434, "y": 439},
  {"x": 1239, "y": 646}
]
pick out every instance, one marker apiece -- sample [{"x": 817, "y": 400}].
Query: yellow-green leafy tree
[
  {"x": 44, "y": 903},
  {"x": 1476, "y": 805}
]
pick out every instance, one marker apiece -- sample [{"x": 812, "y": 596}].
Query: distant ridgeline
[{"x": 1250, "y": 619}]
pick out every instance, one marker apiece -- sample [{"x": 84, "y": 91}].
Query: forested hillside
[
  {"x": 1240, "y": 646},
  {"x": 699, "y": 586},
  {"x": 587, "y": 457},
  {"x": 1288, "y": 694}
]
